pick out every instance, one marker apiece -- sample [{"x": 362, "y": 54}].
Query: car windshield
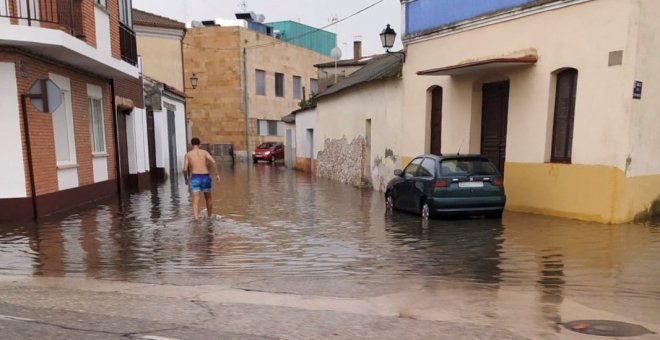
[
  {"x": 265, "y": 146},
  {"x": 467, "y": 167}
]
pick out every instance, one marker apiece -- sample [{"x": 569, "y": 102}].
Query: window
[
  {"x": 313, "y": 86},
  {"x": 428, "y": 168},
  {"x": 125, "y": 13},
  {"x": 468, "y": 167},
  {"x": 96, "y": 125},
  {"x": 411, "y": 169},
  {"x": 103, "y": 3},
  {"x": 270, "y": 128},
  {"x": 297, "y": 87},
  {"x": 562, "y": 131},
  {"x": 63, "y": 131},
  {"x": 260, "y": 80},
  {"x": 279, "y": 84}
]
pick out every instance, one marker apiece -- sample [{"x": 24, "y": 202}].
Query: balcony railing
[
  {"x": 62, "y": 14},
  {"x": 128, "y": 44}
]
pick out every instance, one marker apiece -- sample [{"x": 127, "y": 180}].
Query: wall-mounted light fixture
[
  {"x": 387, "y": 38},
  {"x": 194, "y": 80}
]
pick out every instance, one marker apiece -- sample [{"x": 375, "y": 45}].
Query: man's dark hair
[{"x": 195, "y": 141}]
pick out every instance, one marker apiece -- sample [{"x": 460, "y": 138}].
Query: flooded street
[{"x": 285, "y": 225}]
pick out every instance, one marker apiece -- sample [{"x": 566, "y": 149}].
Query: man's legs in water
[
  {"x": 195, "y": 204},
  {"x": 209, "y": 204}
]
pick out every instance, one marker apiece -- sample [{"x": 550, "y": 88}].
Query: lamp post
[{"x": 387, "y": 38}]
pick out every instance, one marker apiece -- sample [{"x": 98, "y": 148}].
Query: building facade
[
  {"x": 565, "y": 108},
  {"x": 356, "y": 137},
  {"x": 248, "y": 81},
  {"x": 61, "y": 67},
  {"x": 159, "y": 44}
]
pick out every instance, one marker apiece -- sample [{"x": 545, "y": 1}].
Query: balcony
[
  {"x": 65, "y": 15},
  {"x": 128, "y": 44}
]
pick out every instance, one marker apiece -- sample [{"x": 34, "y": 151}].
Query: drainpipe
[
  {"x": 33, "y": 189},
  {"x": 246, "y": 107}
]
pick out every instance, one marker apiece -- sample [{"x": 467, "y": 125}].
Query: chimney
[{"x": 357, "y": 50}]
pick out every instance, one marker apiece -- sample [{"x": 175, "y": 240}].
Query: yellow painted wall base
[{"x": 585, "y": 192}]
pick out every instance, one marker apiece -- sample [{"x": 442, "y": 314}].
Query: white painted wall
[
  {"x": 304, "y": 120},
  {"x": 136, "y": 135},
  {"x": 160, "y": 135},
  {"x": 75, "y": 48},
  {"x": 601, "y": 116},
  {"x": 644, "y": 148},
  {"x": 64, "y": 135},
  {"x": 102, "y": 21},
  {"x": 12, "y": 181},
  {"x": 181, "y": 143},
  {"x": 345, "y": 114}
]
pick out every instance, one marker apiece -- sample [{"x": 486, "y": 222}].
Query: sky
[{"x": 365, "y": 26}]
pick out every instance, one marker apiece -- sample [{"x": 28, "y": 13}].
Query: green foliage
[{"x": 308, "y": 104}]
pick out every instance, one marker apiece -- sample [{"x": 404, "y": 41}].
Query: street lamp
[
  {"x": 387, "y": 37},
  {"x": 193, "y": 81}
]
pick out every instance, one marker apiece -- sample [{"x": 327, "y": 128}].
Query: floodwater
[{"x": 275, "y": 222}]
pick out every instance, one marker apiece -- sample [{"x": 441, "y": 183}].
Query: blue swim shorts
[{"x": 200, "y": 182}]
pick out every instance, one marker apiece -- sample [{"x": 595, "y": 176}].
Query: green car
[{"x": 433, "y": 185}]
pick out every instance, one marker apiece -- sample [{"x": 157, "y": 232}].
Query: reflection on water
[{"x": 277, "y": 222}]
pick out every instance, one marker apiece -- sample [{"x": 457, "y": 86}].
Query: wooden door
[
  {"x": 495, "y": 108},
  {"x": 436, "y": 121}
]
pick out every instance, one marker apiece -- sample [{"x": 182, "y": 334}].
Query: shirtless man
[{"x": 196, "y": 160}]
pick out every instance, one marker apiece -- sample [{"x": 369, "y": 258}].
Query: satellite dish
[
  {"x": 45, "y": 95},
  {"x": 336, "y": 53},
  {"x": 261, "y": 18}
]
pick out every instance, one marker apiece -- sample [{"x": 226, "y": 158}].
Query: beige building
[
  {"x": 566, "y": 108},
  {"x": 246, "y": 78},
  {"x": 159, "y": 44}
]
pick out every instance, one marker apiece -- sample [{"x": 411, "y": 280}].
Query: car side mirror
[{"x": 398, "y": 172}]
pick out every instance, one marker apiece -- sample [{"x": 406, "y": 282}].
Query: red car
[{"x": 268, "y": 151}]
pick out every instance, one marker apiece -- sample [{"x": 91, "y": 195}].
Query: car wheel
[
  {"x": 495, "y": 215},
  {"x": 272, "y": 159},
  {"x": 389, "y": 201},
  {"x": 426, "y": 210},
  {"x": 254, "y": 160}
]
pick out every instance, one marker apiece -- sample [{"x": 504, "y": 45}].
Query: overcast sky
[{"x": 317, "y": 13}]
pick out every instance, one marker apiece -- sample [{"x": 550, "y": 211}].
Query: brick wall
[
  {"x": 130, "y": 89},
  {"x": 41, "y": 124},
  {"x": 113, "y": 9}
]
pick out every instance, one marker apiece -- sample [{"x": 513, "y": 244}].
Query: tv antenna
[{"x": 243, "y": 5}]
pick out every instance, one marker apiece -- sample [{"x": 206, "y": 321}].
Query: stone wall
[{"x": 341, "y": 161}]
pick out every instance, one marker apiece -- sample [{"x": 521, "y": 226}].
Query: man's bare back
[{"x": 197, "y": 161}]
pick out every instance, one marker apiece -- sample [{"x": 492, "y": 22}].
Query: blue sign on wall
[{"x": 422, "y": 15}]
